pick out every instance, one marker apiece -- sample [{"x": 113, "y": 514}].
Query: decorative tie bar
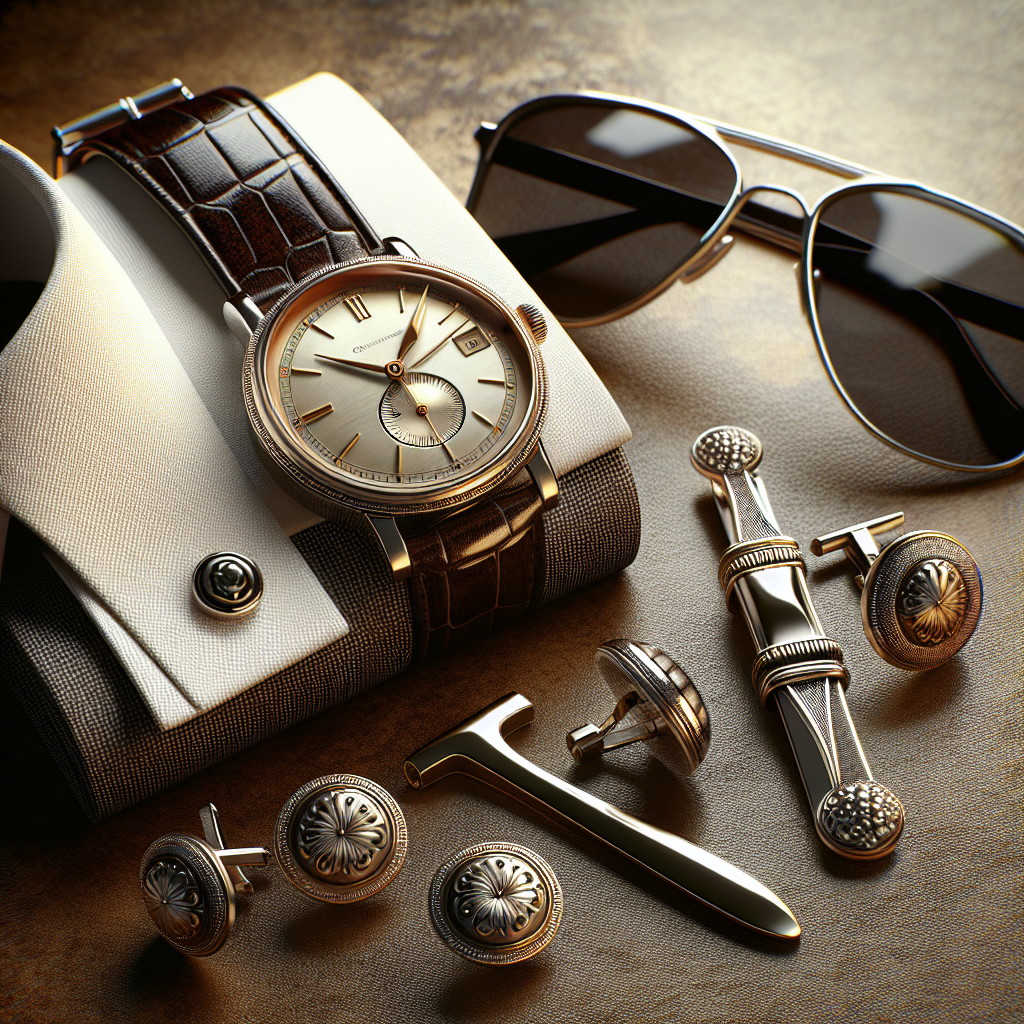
[{"x": 798, "y": 669}]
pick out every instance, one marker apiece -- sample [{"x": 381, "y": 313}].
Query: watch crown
[{"x": 534, "y": 320}]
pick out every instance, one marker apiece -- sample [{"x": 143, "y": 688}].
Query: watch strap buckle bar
[{"x": 69, "y": 136}]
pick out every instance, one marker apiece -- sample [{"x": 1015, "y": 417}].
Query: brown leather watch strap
[
  {"x": 255, "y": 201},
  {"x": 266, "y": 214},
  {"x": 476, "y": 569}
]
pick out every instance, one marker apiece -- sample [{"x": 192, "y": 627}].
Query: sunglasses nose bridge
[
  {"x": 754, "y": 222},
  {"x": 751, "y": 190},
  {"x": 768, "y": 222}
]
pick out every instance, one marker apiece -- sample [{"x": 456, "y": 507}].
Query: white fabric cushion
[
  {"x": 153, "y": 455},
  {"x": 108, "y": 453}
]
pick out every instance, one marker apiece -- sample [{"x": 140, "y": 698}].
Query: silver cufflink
[
  {"x": 921, "y": 594},
  {"x": 341, "y": 838},
  {"x": 227, "y": 585},
  {"x": 189, "y": 885},
  {"x": 655, "y": 701},
  {"x": 496, "y": 903}
]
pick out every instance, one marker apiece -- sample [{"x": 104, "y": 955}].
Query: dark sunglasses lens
[
  {"x": 920, "y": 303},
  {"x": 598, "y": 204}
]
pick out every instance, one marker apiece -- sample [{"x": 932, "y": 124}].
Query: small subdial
[{"x": 427, "y": 412}]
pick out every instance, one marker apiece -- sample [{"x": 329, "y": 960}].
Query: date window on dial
[{"x": 471, "y": 341}]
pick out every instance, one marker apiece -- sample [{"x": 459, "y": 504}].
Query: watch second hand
[
  {"x": 422, "y": 410},
  {"x": 352, "y": 362}
]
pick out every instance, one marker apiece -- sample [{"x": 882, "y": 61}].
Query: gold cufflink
[
  {"x": 655, "y": 701},
  {"x": 921, "y": 594}
]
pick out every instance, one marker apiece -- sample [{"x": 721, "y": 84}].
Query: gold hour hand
[
  {"x": 352, "y": 362},
  {"x": 412, "y": 332}
]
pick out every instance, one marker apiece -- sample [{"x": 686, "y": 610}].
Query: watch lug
[
  {"x": 543, "y": 477},
  {"x": 391, "y": 540},
  {"x": 396, "y": 247},
  {"x": 242, "y": 315}
]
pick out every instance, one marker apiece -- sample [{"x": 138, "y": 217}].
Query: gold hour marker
[
  {"x": 322, "y": 331},
  {"x": 302, "y": 369},
  {"x": 448, "y": 314},
  {"x": 483, "y": 419},
  {"x": 398, "y": 449},
  {"x": 489, "y": 380},
  {"x": 401, "y": 300},
  {"x": 316, "y": 414},
  {"x": 347, "y": 449},
  {"x": 357, "y": 308}
]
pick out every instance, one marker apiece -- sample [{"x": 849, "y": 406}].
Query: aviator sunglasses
[{"x": 915, "y": 298}]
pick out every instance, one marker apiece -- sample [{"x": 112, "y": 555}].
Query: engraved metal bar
[{"x": 798, "y": 668}]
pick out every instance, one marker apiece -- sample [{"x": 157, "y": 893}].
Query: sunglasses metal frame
[{"x": 715, "y": 242}]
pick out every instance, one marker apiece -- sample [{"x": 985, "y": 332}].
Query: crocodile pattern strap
[
  {"x": 254, "y": 200},
  {"x": 476, "y": 569}
]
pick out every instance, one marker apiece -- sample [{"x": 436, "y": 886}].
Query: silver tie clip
[{"x": 798, "y": 668}]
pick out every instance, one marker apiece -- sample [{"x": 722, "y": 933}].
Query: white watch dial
[{"x": 398, "y": 381}]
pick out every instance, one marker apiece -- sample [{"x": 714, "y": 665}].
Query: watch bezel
[{"x": 325, "y": 490}]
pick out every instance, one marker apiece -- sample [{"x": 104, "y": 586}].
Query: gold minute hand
[
  {"x": 412, "y": 332},
  {"x": 352, "y": 362}
]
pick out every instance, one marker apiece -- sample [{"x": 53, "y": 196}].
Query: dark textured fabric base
[{"x": 97, "y": 725}]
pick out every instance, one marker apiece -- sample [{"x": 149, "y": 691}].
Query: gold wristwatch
[{"x": 382, "y": 390}]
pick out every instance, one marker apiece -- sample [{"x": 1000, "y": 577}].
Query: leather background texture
[{"x": 928, "y": 90}]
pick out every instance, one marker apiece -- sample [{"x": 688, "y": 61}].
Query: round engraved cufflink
[
  {"x": 655, "y": 701},
  {"x": 189, "y": 886},
  {"x": 496, "y": 903},
  {"x": 921, "y": 594},
  {"x": 341, "y": 838}
]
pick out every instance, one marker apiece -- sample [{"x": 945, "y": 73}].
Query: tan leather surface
[{"x": 931, "y": 91}]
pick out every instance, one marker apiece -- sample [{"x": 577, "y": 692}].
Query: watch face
[{"x": 392, "y": 383}]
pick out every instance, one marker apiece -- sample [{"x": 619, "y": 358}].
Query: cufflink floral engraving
[
  {"x": 921, "y": 594},
  {"x": 341, "y": 838},
  {"x": 496, "y": 903},
  {"x": 340, "y": 833},
  {"x": 172, "y": 897},
  {"x": 188, "y": 885},
  {"x": 498, "y": 896},
  {"x": 932, "y": 602}
]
